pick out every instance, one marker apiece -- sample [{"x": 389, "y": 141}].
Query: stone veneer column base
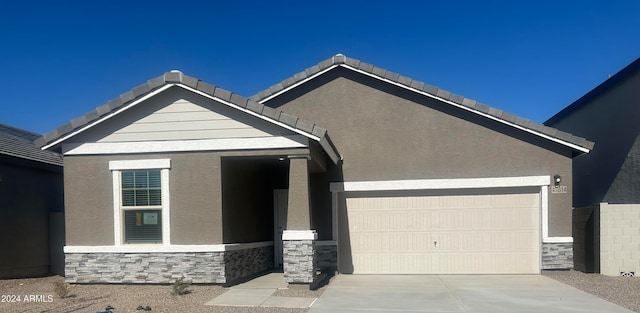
[
  {"x": 557, "y": 255},
  {"x": 299, "y": 256},
  {"x": 165, "y": 267}
]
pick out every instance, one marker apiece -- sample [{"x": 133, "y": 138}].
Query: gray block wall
[
  {"x": 166, "y": 267},
  {"x": 557, "y": 256}
]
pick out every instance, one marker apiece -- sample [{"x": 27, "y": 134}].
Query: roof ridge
[
  {"x": 417, "y": 86},
  {"x": 177, "y": 77},
  {"x": 15, "y": 130}
]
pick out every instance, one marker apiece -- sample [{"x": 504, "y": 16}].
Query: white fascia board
[
  {"x": 298, "y": 83},
  {"x": 562, "y": 142},
  {"x": 456, "y": 183},
  {"x": 135, "y": 248},
  {"x": 108, "y": 116},
  {"x": 333, "y": 155},
  {"x": 165, "y": 87},
  {"x": 565, "y": 143},
  {"x": 221, "y": 144}
]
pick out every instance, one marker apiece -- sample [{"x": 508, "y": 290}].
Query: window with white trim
[{"x": 141, "y": 201}]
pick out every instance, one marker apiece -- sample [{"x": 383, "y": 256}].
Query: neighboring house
[
  {"x": 179, "y": 177},
  {"x": 607, "y": 180},
  {"x": 31, "y": 207}
]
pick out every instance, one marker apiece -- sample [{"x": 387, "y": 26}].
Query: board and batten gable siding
[
  {"x": 178, "y": 114},
  {"x": 384, "y": 133}
]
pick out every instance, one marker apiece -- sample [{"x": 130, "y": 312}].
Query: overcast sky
[{"x": 61, "y": 59}]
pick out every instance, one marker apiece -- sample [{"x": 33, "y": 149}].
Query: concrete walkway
[
  {"x": 456, "y": 293},
  {"x": 259, "y": 292}
]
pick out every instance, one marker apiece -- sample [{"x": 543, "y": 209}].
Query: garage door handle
[{"x": 435, "y": 244}]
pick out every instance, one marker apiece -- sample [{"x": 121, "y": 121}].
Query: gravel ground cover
[
  {"x": 623, "y": 291},
  {"x": 37, "y": 295}
]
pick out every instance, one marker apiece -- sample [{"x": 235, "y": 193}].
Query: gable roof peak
[
  {"x": 340, "y": 60},
  {"x": 139, "y": 93}
]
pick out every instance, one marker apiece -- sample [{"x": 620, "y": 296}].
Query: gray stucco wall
[
  {"x": 195, "y": 188},
  {"x": 386, "y": 133},
  {"x": 196, "y": 183},
  {"x": 29, "y": 192},
  {"x": 609, "y": 173}
]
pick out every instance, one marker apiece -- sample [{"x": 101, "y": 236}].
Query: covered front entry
[{"x": 444, "y": 231}]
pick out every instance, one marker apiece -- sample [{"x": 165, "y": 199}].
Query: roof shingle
[{"x": 19, "y": 143}]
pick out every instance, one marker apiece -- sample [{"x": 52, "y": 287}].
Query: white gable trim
[
  {"x": 106, "y": 117},
  {"x": 222, "y": 144},
  {"x": 556, "y": 140},
  {"x": 165, "y": 87}
]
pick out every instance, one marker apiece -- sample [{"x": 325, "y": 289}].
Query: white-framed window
[{"x": 141, "y": 201}]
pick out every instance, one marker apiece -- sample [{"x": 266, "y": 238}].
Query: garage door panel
[{"x": 453, "y": 234}]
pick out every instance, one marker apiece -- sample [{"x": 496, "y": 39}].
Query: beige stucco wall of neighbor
[
  {"x": 386, "y": 133},
  {"x": 195, "y": 189},
  {"x": 619, "y": 238}
]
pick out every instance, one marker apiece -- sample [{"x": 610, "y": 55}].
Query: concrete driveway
[{"x": 456, "y": 293}]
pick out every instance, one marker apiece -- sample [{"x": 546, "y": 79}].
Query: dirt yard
[{"x": 38, "y": 295}]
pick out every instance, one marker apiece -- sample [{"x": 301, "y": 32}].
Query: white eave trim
[
  {"x": 298, "y": 83},
  {"x": 221, "y": 144},
  {"x": 106, "y": 117},
  {"x": 330, "y": 152},
  {"x": 562, "y": 142},
  {"x": 134, "y": 248},
  {"x": 457, "y": 183}
]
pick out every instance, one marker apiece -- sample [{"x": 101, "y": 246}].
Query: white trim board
[
  {"x": 299, "y": 235},
  {"x": 135, "y": 248},
  {"x": 223, "y": 144},
  {"x": 458, "y": 183},
  {"x": 332, "y": 154},
  {"x": 139, "y": 164},
  {"x": 426, "y": 184}
]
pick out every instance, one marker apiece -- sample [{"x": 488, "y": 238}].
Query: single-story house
[
  {"x": 343, "y": 166},
  {"x": 31, "y": 207},
  {"x": 607, "y": 189}
]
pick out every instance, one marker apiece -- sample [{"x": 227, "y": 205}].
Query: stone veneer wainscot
[
  {"x": 557, "y": 255},
  {"x": 165, "y": 267}
]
